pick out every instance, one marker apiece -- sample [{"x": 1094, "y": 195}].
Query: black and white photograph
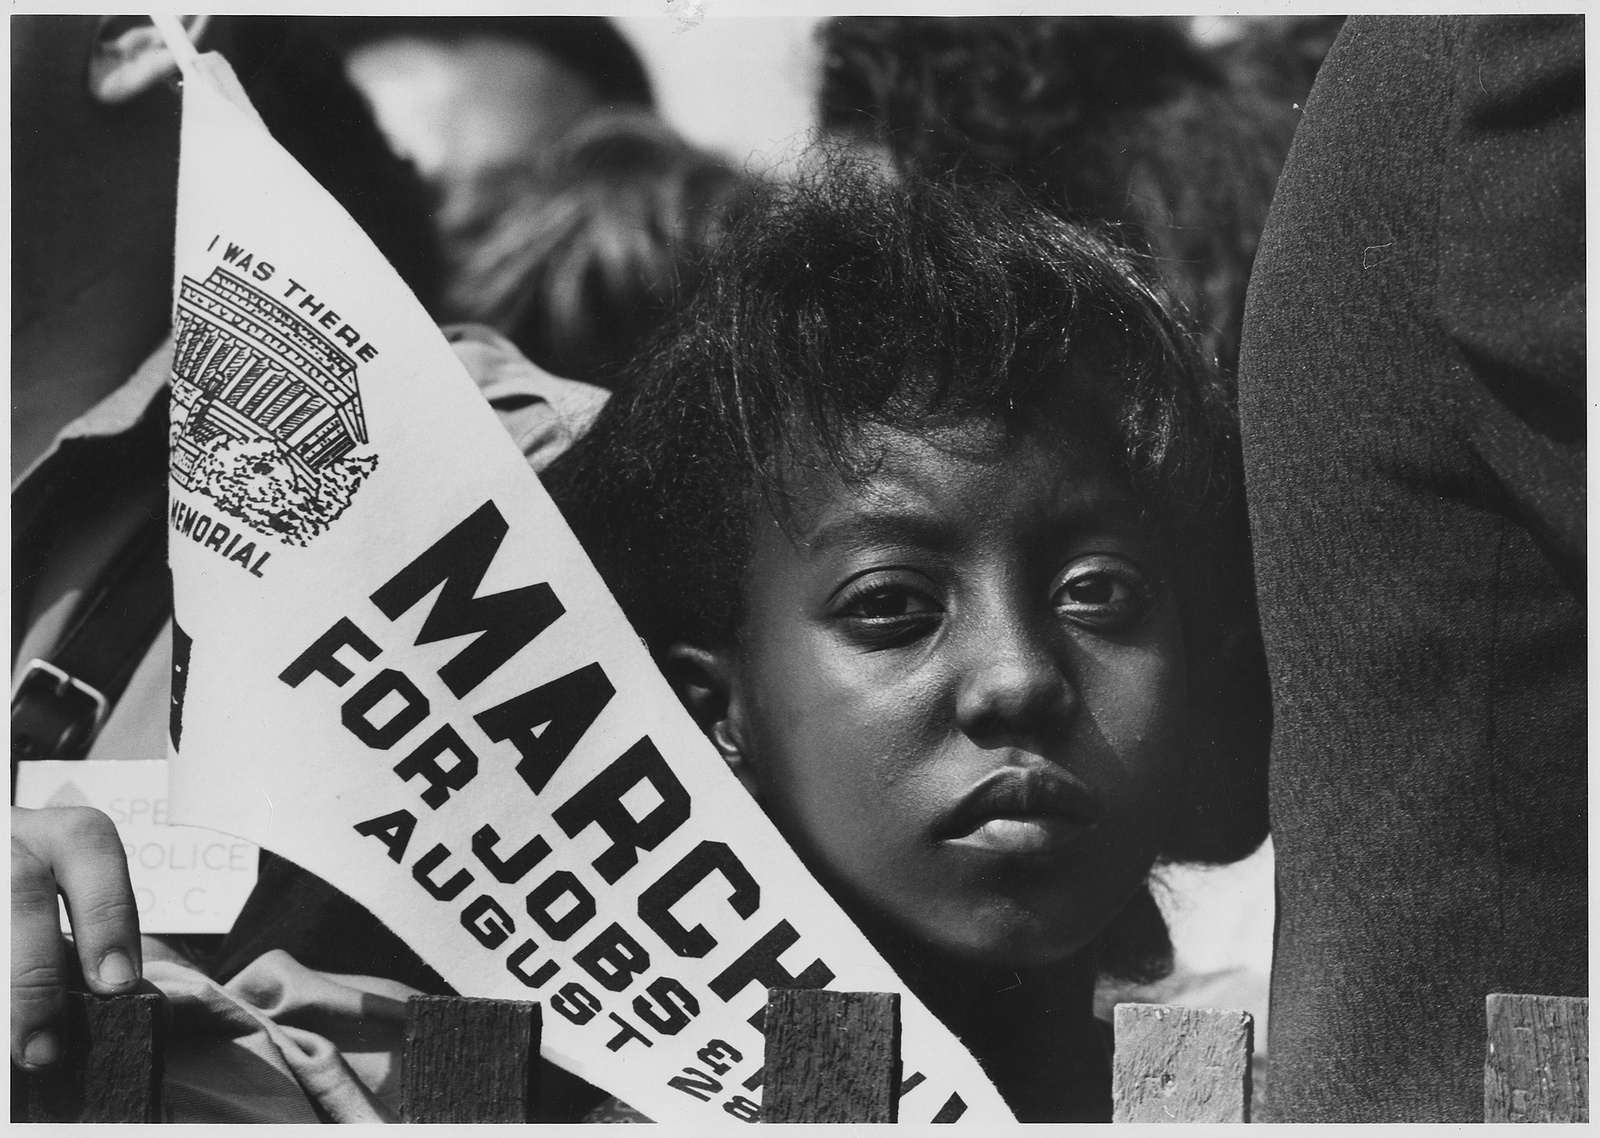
[{"x": 706, "y": 565}]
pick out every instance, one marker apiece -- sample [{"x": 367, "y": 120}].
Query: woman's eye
[
  {"x": 884, "y": 614},
  {"x": 890, "y": 604},
  {"x": 1105, "y": 595},
  {"x": 1096, "y": 589}
]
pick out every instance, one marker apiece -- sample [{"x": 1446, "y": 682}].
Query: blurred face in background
[{"x": 472, "y": 114}]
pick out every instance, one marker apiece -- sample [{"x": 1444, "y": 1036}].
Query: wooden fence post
[
  {"x": 111, "y": 1067},
  {"x": 1176, "y": 1064},
  {"x": 469, "y": 1060},
  {"x": 831, "y": 1056},
  {"x": 1536, "y": 1059}
]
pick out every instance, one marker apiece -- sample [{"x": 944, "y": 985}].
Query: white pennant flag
[{"x": 397, "y": 668}]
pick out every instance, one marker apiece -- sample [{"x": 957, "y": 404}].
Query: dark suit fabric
[{"x": 1412, "y": 396}]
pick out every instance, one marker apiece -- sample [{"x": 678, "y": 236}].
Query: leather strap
[{"x": 59, "y": 704}]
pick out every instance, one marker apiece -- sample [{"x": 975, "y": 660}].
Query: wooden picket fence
[{"x": 830, "y": 1057}]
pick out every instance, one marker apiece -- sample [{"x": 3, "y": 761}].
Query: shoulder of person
[{"x": 543, "y": 413}]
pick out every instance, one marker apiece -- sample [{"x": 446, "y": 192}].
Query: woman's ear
[
  {"x": 706, "y": 680},
  {"x": 130, "y": 56}
]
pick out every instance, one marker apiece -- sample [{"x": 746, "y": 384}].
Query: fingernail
[
  {"x": 41, "y": 1050},
  {"x": 116, "y": 970}
]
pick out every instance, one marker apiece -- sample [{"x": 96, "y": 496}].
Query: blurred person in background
[
  {"x": 1131, "y": 122},
  {"x": 478, "y": 104},
  {"x": 296, "y": 77},
  {"x": 567, "y": 209},
  {"x": 578, "y": 272}
]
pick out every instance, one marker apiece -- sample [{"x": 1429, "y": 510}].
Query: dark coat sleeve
[{"x": 1511, "y": 268}]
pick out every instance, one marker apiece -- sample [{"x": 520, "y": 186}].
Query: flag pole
[{"x": 183, "y": 51}]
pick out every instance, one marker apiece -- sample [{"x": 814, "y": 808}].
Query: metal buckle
[{"x": 62, "y": 685}]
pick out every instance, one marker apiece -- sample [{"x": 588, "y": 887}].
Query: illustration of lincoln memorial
[{"x": 247, "y": 366}]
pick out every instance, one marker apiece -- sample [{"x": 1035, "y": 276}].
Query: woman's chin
[
  {"x": 996, "y": 941},
  {"x": 1017, "y": 952},
  {"x": 996, "y": 932}
]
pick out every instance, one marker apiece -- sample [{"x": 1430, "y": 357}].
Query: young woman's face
[{"x": 959, "y": 691}]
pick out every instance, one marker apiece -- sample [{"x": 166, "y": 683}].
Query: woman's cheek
[{"x": 1137, "y": 693}]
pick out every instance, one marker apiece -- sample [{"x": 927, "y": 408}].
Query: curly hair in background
[
  {"x": 580, "y": 265},
  {"x": 1131, "y": 122}
]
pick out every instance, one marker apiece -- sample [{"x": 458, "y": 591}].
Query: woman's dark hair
[{"x": 844, "y": 302}]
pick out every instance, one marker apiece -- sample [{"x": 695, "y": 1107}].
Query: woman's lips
[
  {"x": 1021, "y": 812},
  {"x": 1028, "y": 834}
]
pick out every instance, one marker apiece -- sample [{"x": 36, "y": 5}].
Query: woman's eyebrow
[
  {"x": 913, "y": 520},
  {"x": 925, "y": 530}
]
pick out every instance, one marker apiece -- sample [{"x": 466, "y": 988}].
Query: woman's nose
[{"x": 1014, "y": 686}]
